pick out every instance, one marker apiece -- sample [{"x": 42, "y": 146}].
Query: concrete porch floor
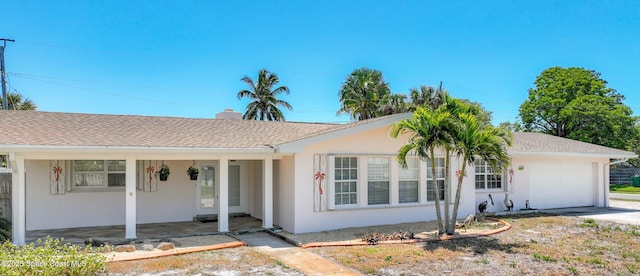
[{"x": 151, "y": 231}]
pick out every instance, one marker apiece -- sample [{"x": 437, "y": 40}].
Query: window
[
  {"x": 439, "y": 177},
  {"x": 346, "y": 180},
  {"x": 378, "y": 185},
  {"x": 408, "y": 182},
  {"x": 98, "y": 173},
  {"x": 485, "y": 177}
]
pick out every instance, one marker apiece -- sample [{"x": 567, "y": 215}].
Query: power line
[
  {"x": 116, "y": 94},
  {"x": 30, "y": 77},
  {"x": 26, "y": 75},
  {"x": 148, "y": 57}
]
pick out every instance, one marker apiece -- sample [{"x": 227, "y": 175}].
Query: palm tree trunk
[
  {"x": 447, "y": 191},
  {"x": 436, "y": 192},
  {"x": 456, "y": 203}
]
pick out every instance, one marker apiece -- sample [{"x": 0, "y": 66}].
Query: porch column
[
  {"x": 605, "y": 182},
  {"x": 18, "y": 199},
  {"x": 223, "y": 196},
  {"x": 267, "y": 192},
  {"x": 130, "y": 200}
]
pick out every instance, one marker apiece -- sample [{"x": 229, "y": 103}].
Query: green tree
[
  {"x": 473, "y": 138},
  {"x": 264, "y": 97},
  {"x": 459, "y": 127},
  {"x": 600, "y": 120},
  {"x": 393, "y": 104},
  {"x": 513, "y": 127},
  {"x": 426, "y": 96},
  {"x": 363, "y": 93},
  {"x": 635, "y": 144},
  {"x": 428, "y": 130},
  {"x": 16, "y": 102},
  {"x": 576, "y": 103}
]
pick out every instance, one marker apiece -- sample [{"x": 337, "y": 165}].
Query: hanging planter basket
[
  {"x": 164, "y": 172},
  {"x": 192, "y": 171}
]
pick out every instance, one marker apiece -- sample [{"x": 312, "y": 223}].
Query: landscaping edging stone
[
  {"x": 176, "y": 251},
  {"x": 505, "y": 226}
]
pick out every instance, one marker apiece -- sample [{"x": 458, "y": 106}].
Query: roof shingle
[
  {"x": 538, "y": 143},
  {"x": 75, "y": 129},
  {"x": 36, "y": 128}
]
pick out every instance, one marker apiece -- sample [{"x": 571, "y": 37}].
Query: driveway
[{"x": 620, "y": 211}]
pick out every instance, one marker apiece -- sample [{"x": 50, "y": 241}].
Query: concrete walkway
[
  {"x": 620, "y": 211},
  {"x": 293, "y": 256},
  {"x": 614, "y": 196}
]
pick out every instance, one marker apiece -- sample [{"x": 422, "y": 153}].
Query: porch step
[{"x": 214, "y": 217}]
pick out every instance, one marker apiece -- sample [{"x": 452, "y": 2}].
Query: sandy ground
[{"x": 420, "y": 230}]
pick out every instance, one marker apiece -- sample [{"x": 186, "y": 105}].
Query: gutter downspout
[{"x": 605, "y": 189}]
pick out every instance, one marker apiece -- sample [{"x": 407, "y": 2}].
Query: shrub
[
  {"x": 5, "y": 228},
  {"x": 51, "y": 257}
]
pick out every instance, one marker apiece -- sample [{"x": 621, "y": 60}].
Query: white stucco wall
[
  {"x": 369, "y": 143},
  {"x": 173, "y": 201},
  {"x": 284, "y": 192},
  {"x": 554, "y": 182},
  {"x": 256, "y": 182},
  {"x": 73, "y": 209}
]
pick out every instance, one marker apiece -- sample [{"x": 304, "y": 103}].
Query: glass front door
[{"x": 207, "y": 189}]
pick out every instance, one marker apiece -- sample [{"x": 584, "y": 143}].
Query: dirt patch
[
  {"x": 234, "y": 261},
  {"x": 536, "y": 245}
]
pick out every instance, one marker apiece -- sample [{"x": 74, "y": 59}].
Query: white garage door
[{"x": 561, "y": 184}]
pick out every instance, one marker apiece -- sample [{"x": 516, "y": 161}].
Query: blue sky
[{"x": 186, "y": 58}]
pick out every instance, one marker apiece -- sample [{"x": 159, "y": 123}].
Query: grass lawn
[{"x": 624, "y": 189}]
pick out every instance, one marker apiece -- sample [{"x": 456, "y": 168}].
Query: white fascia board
[
  {"x": 296, "y": 146},
  {"x": 47, "y": 151}
]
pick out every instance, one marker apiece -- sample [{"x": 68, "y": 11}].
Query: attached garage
[
  {"x": 554, "y": 172},
  {"x": 559, "y": 184}
]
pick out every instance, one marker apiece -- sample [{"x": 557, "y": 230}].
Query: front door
[{"x": 207, "y": 186}]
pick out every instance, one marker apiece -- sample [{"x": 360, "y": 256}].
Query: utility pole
[{"x": 3, "y": 72}]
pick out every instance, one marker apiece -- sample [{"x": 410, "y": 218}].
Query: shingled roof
[
  {"x": 35, "y": 128},
  {"x": 529, "y": 143}
]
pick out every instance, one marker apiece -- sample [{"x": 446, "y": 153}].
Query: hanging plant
[
  {"x": 164, "y": 172},
  {"x": 192, "y": 171}
]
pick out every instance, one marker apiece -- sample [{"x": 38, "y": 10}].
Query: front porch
[
  {"x": 149, "y": 231},
  {"x": 62, "y": 198}
]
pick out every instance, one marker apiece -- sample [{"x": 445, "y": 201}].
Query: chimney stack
[{"x": 229, "y": 114}]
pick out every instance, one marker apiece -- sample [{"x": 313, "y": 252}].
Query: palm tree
[
  {"x": 15, "y": 102},
  {"x": 475, "y": 139},
  {"x": 454, "y": 126},
  {"x": 393, "y": 104},
  {"x": 426, "y": 96},
  {"x": 264, "y": 105},
  {"x": 428, "y": 130},
  {"x": 362, "y": 94}
]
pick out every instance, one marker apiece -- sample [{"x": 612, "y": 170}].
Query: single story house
[{"x": 77, "y": 170}]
